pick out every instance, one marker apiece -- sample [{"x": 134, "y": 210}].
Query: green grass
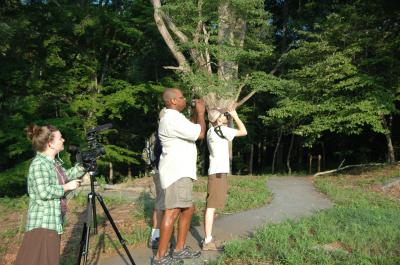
[
  {"x": 364, "y": 225},
  {"x": 244, "y": 193}
]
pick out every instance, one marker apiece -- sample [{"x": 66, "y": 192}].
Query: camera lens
[
  {"x": 193, "y": 103},
  {"x": 226, "y": 114}
]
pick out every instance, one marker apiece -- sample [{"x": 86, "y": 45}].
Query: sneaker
[
  {"x": 166, "y": 260},
  {"x": 153, "y": 243},
  {"x": 186, "y": 253},
  {"x": 213, "y": 245}
]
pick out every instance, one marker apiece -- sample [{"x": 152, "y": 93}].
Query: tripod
[{"x": 91, "y": 216}]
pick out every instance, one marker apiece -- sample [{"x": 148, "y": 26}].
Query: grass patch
[{"x": 362, "y": 228}]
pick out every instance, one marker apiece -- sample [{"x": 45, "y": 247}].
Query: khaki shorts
[
  {"x": 160, "y": 196},
  {"x": 217, "y": 190},
  {"x": 179, "y": 194}
]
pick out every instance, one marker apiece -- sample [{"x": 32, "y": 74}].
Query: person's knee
[{"x": 170, "y": 215}]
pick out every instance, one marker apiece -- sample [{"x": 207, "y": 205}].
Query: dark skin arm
[{"x": 198, "y": 117}]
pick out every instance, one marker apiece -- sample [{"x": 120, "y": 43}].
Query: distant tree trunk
[
  {"x": 285, "y": 16},
  {"x": 288, "y": 155},
  {"x": 264, "y": 151},
  {"x": 323, "y": 155},
  {"x": 260, "y": 149},
  {"x": 129, "y": 171},
  {"x": 251, "y": 159},
  {"x": 276, "y": 151},
  {"x": 239, "y": 169},
  {"x": 388, "y": 135},
  {"x": 111, "y": 172}
]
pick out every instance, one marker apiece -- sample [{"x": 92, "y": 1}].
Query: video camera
[{"x": 95, "y": 149}]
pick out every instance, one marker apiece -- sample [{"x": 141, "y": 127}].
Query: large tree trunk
[
  {"x": 388, "y": 135},
  {"x": 231, "y": 30}
]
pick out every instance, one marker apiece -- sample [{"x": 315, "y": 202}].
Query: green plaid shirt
[{"x": 45, "y": 193}]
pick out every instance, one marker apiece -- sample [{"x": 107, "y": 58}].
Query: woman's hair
[{"x": 40, "y": 136}]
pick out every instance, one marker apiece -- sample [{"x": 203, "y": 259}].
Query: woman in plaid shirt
[{"x": 48, "y": 183}]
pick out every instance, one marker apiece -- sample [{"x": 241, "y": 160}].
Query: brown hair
[{"x": 40, "y": 136}]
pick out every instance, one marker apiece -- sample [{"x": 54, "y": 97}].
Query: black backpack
[{"x": 152, "y": 152}]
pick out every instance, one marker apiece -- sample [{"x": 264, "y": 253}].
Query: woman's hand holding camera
[{"x": 72, "y": 185}]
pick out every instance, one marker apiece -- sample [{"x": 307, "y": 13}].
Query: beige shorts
[
  {"x": 217, "y": 190},
  {"x": 179, "y": 194},
  {"x": 160, "y": 195}
]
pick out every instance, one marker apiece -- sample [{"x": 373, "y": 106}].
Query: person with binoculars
[
  {"x": 177, "y": 170},
  {"x": 218, "y": 137},
  {"x": 48, "y": 183}
]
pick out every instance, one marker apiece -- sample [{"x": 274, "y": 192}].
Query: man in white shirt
[
  {"x": 177, "y": 169},
  {"x": 218, "y": 138}
]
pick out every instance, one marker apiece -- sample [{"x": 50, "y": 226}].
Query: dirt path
[{"x": 293, "y": 197}]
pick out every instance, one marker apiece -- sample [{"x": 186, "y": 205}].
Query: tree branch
[
  {"x": 183, "y": 64},
  {"x": 241, "y": 87},
  {"x": 272, "y": 72},
  {"x": 182, "y": 37}
]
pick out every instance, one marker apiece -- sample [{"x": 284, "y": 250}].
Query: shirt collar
[{"x": 43, "y": 156}]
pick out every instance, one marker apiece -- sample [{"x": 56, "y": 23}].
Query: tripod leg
[
  {"x": 94, "y": 217},
  {"x": 84, "y": 245},
  {"x": 121, "y": 240}
]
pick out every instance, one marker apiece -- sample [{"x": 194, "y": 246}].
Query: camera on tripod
[{"x": 88, "y": 157}]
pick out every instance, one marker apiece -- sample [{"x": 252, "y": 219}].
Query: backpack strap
[
  {"x": 218, "y": 131},
  {"x": 157, "y": 149}
]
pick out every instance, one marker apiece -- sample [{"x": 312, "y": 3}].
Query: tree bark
[
  {"x": 288, "y": 155},
  {"x": 251, "y": 159},
  {"x": 388, "y": 135},
  {"x": 276, "y": 151},
  {"x": 129, "y": 171},
  {"x": 179, "y": 56},
  {"x": 260, "y": 149},
  {"x": 111, "y": 172}
]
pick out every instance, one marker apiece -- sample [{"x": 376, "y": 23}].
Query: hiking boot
[
  {"x": 186, "y": 253},
  {"x": 166, "y": 260},
  {"x": 213, "y": 245},
  {"x": 153, "y": 243}
]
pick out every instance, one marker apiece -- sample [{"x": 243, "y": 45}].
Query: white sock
[
  {"x": 155, "y": 233},
  {"x": 207, "y": 240}
]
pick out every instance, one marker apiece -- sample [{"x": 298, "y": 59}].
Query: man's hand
[{"x": 200, "y": 106}]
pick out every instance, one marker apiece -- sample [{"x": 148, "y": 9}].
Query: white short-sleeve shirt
[
  {"x": 219, "y": 149},
  {"x": 179, "y": 154}
]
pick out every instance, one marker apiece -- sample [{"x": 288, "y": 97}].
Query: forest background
[{"x": 310, "y": 78}]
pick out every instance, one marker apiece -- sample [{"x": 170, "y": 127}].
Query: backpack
[{"x": 152, "y": 152}]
